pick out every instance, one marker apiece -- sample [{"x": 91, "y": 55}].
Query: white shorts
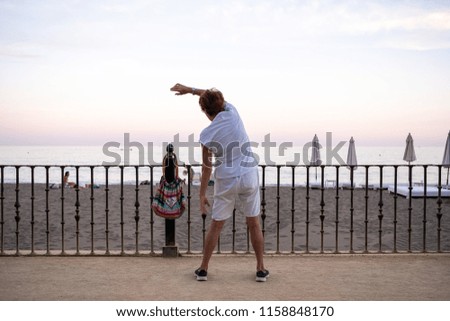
[{"x": 241, "y": 192}]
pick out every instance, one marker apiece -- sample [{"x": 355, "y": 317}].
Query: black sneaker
[
  {"x": 201, "y": 275},
  {"x": 261, "y": 276}
]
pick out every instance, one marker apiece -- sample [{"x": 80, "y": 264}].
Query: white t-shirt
[{"x": 227, "y": 139}]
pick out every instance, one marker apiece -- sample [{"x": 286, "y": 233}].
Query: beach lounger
[
  {"x": 347, "y": 185},
  {"x": 375, "y": 186},
  {"x": 328, "y": 184},
  {"x": 419, "y": 191},
  {"x": 315, "y": 185}
]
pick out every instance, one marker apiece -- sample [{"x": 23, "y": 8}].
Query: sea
[{"x": 85, "y": 156}]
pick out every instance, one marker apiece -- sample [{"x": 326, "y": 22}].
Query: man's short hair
[{"x": 212, "y": 102}]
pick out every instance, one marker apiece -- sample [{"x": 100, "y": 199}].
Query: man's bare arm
[{"x": 182, "y": 90}]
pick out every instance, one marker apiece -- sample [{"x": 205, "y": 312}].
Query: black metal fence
[{"x": 368, "y": 209}]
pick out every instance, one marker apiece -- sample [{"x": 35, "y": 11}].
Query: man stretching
[{"x": 236, "y": 175}]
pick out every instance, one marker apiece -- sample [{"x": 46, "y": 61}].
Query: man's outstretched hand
[{"x": 181, "y": 89}]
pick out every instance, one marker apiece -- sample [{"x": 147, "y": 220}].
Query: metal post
[
  {"x": 247, "y": 230},
  {"x": 278, "y": 209},
  {"x": 233, "y": 244},
  {"x": 152, "y": 221},
  {"x": 32, "y": 210},
  {"x": 337, "y": 211},
  {"x": 218, "y": 246},
  {"x": 424, "y": 208},
  {"x": 136, "y": 205},
  {"x": 263, "y": 199},
  {"x": 47, "y": 210},
  {"x": 380, "y": 210},
  {"x": 170, "y": 239},
  {"x": 307, "y": 210},
  {"x": 17, "y": 206},
  {"x": 395, "y": 207},
  {"x": 62, "y": 212},
  {"x": 293, "y": 211},
  {"x": 439, "y": 209},
  {"x": 410, "y": 207},
  {"x": 366, "y": 209},
  {"x": 122, "y": 251},
  {"x": 170, "y": 249},
  {"x": 189, "y": 196},
  {"x": 77, "y": 209},
  {"x": 352, "y": 209},
  {"x": 92, "y": 210},
  {"x": 2, "y": 220},
  {"x": 322, "y": 206},
  {"x": 203, "y": 230},
  {"x": 107, "y": 209}
]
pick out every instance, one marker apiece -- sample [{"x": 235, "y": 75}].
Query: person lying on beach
[{"x": 235, "y": 178}]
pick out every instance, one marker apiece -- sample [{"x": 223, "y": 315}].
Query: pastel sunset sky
[{"x": 86, "y": 72}]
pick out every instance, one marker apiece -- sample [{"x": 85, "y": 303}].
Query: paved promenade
[{"x": 300, "y": 277}]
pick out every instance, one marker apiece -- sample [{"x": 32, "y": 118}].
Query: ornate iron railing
[{"x": 299, "y": 214}]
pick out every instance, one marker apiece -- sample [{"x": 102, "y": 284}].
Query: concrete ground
[{"x": 300, "y": 277}]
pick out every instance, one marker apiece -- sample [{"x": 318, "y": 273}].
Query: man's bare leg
[
  {"x": 211, "y": 240},
  {"x": 257, "y": 240}
]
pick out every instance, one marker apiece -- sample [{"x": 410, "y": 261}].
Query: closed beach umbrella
[
  {"x": 315, "y": 154},
  {"x": 446, "y": 159},
  {"x": 351, "y": 154},
  {"x": 410, "y": 154}
]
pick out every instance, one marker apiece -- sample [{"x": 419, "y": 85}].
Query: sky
[{"x": 87, "y": 72}]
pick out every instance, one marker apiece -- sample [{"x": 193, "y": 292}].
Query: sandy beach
[{"x": 280, "y": 233}]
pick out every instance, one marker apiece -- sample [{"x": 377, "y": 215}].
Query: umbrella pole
[
  {"x": 410, "y": 174},
  {"x": 447, "y": 175}
]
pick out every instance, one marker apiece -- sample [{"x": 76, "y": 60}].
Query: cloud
[
  {"x": 375, "y": 18},
  {"x": 142, "y": 25},
  {"x": 19, "y": 50},
  {"x": 361, "y": 23},
  {"x": 399, "y": 27}
]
